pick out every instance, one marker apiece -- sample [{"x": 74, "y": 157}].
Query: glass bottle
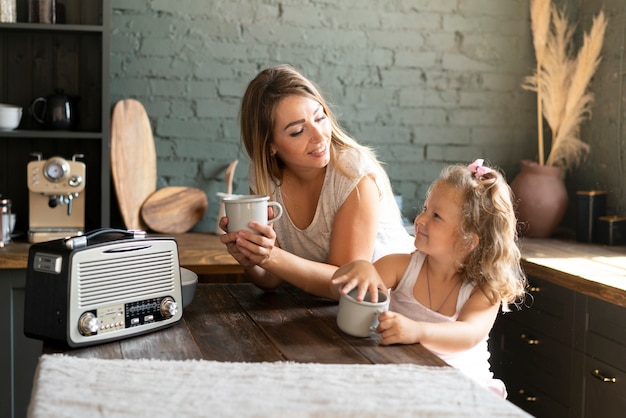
[
  {"x": 41, "y": 11},
  {"x": 5, "y": 222},
  {"x": 8, "y": 13}
]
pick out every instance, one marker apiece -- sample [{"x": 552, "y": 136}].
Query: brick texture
[{"x": 424, "y": 82}]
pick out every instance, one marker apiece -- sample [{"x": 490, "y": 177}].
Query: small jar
[
  {"x": 5, "y": 222},
  {"x": 612, "y": 230},
  {"x": 591, "y": 205},
  {"x": 42, "y": 11}
]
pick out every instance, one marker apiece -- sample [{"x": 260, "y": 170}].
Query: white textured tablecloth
[{"x": 76, "y": 387}]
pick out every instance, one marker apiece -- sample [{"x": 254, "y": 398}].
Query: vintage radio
[{"x": 102, "y": 286}]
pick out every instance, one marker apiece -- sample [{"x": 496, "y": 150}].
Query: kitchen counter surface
[
  {"x": 592, "y": 269},
  {"x": 202, "y": 253}
]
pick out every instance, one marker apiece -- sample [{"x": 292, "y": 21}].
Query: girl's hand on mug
[{"x": 361, "y": 274}]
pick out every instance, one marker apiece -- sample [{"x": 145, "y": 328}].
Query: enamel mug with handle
[
  {"x": 360, "y": 318},
  {"x": 243, "y": 209}
]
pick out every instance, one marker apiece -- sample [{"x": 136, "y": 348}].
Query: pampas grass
[
  {"x": 540, "y": 26},
  {"x": 562, "y": 80}
]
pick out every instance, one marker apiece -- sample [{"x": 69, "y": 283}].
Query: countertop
[
  {"x": 202, "y": 253},
  {"x": 594, "y": 270}
]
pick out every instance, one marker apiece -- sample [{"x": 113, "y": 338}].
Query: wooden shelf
[
  {"x": 48, "y": 27},
  {"x": 39, "y": 59},
  {"x": 19, "y": 133}
]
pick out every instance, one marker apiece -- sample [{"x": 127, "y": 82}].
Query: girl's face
[
  {"x": 437, "y": 228},
  {"x": 302, "y": 133}
]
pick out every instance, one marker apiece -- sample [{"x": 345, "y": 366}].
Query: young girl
[{"x": 446, "y": 294}]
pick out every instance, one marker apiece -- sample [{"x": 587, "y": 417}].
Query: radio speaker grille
[{"x": 127, "y": 277}]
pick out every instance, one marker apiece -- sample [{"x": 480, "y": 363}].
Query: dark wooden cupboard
[
  {"x": 532, "y": 350},
  {"x": 564, "y": 355},
  {"x": 36, "y": 60},
  {"x": 604, "y": 357}
]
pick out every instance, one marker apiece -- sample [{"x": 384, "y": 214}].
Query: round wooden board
[
  {"x": 133, "y": 160},
  {"x": 174, "y": 210}
]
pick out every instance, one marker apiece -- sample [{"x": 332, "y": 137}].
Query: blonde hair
[
  {"x": 487, "y": 211},
  {"x": 257, "y": 119}
]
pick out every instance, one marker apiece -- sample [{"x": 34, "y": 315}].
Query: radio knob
[
  {"x": 88, "y": 324},
  {"x": 169, "y": 308}
]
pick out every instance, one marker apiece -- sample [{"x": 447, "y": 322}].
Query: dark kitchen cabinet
[
  {"x": 37, "y": 59},
  {"x": 18, "y": 354},
  {"x": 533, "y": 351},
  {"x": 604, "y": 389},
  {"x": 563, "y": 355},
  {"x": 604, "y": 370}
]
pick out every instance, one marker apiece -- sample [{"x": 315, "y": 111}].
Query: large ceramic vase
[{"x": 541, "y": 198}]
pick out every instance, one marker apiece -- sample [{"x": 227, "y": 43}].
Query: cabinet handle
[
  {"x": 596, "y": 373},
  {"x": 528, "y": 340},
  {"x": 527, "y": 397},
  {"x": 534, "y": 289}
]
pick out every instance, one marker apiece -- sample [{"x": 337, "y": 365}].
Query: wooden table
[
  {"x": 264, "y": 355},
  {"x": 239, "y": 322},
  {"x": 202, "y": 253}
]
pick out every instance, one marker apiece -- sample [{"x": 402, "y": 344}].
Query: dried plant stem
[
  {"x": 539, "y": 116},
  {"x": 561, "y": 81},
  {"x": 540, "y": 25},
  {"x": 567, "y": 148}
]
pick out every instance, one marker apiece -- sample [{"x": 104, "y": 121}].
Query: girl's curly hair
[{"x": 487, "y": 211}]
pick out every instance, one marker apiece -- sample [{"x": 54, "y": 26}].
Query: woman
[{"x": 338, "y": 202}]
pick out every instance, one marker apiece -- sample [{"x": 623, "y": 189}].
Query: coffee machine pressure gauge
[{"x": 56, "y": 169}]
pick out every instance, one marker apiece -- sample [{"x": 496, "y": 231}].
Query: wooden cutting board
[
  {"x": 174, "y": 210},
  {"x": 133, "y": 160}
]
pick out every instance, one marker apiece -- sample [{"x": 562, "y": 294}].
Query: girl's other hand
[{"x": 396, "y": 328}]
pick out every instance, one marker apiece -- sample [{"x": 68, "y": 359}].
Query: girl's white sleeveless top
[{"x": 473, "y": 362}]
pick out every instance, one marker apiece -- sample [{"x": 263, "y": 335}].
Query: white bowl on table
[
  {"x": 188, "y": 281},
  {"x": 10, "y": 116}
]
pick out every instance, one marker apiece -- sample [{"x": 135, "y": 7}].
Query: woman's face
[{"x": 302, "y": 133}]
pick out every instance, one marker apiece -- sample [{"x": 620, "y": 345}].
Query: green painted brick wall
[{"x": 423, "y": 82}]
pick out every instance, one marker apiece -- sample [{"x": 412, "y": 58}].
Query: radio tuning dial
[
  {"x": 169, "y": 308},
  {"x": 88, "y": 324}
]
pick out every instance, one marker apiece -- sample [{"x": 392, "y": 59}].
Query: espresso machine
[{"x": 56, "y": 198}]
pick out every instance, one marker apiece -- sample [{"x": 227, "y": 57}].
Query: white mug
[
  {"x": 360, "y": 319},
  {"x": 243, "y": 209},
  {"x": 221, "y": 212}
]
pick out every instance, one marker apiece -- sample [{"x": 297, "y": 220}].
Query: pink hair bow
[{"x": 477, "y": 168}]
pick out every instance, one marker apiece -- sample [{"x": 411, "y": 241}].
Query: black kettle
[{"x": 57, "y": 111}]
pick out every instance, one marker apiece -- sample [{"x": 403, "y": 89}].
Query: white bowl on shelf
[{"x": 10, "y": 117}]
